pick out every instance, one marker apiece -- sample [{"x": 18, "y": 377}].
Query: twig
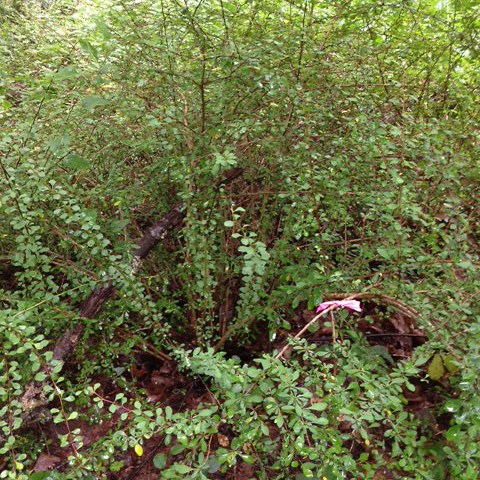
[
  {"x": 309, "y": 324},
  {"x": 408, "y": 311},
  {"x": 391, "y": 334},
  {"x": 347, "y": 296}
]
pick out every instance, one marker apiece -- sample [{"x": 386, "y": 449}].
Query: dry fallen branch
[{"x": 33, "y": 396}]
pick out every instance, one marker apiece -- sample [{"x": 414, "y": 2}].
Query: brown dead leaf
[
  {"x": 223, "y": 440},
  {"x": 46, "y": 462}
]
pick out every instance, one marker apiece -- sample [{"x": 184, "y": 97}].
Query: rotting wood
[{"x": 33, "y": 396}]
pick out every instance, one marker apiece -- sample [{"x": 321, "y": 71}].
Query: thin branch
[
  {"x": 382, "y": 298},
  {"x": 308, "y": 325}
]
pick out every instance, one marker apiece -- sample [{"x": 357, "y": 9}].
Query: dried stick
[
  {"x": 307, "y": 326},
  {"x": 66, "y": 344}
]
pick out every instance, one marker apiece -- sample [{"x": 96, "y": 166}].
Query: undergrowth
[{"x": 353, "y": 128}]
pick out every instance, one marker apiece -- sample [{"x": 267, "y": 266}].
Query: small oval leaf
[
  {"x": 160, "y": 461},
  {"x": 138, "y": 450},
  {"x": 75, "y": 162},
  {"x": 93, "y": 101},
  {"x": 436, "y": 368}
]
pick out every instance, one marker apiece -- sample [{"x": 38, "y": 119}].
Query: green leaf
[
  {"x": 247, "y": 459},
  {"x": 255, "y": 398},
  {"x": 45, "y": 476},
  {"x": 87, "y": 47},
  {"x": 452, "y": 433},
  {"x": 381, "y": 351},
  {"x": 93, "y": 101},
  {"x": 73, "y": 416},
  {"x": 160, "y": 461},
  {"x": 421, "y": 360},
  {"x": 103, "y": 29},
  {"x": 176, "y": 449},
  {"x": 40, "y": 476},
  {"x": 385, "y": 252},
  {"x": 40, "y": 377},
  {"x": 116, "y": 466},
  {"x": 213, "y": 465},
  {"x": 66, "y": 73},
  {"x": 436, "y": 368},
  {"x": 57, "y": 144},
  {"x": 314, "y": 327},
  {"x": 449, "y": 362},
  {"x": 319, "y": 407},
  {"x": 320, "y": 421},
  {"x": 181, "y": 468},
  {"x": 75, "y": 162}
]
